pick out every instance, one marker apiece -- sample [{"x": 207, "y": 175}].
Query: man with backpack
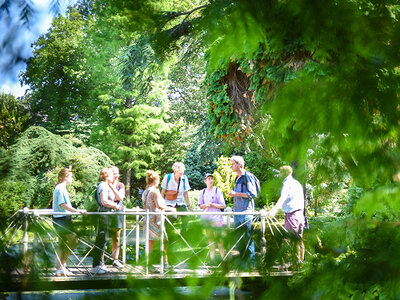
[
  {"x": 245, "y": 190},
  {"x": 174, "y": 189}
]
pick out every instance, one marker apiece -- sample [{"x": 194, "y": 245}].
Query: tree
[
  {"x": 13, "y": 119},
  {"x": 59, "y": 80},
  {"x": 312, "y": 69},
  {"x": 34, "y": 160},
  {"x": 132, "y": 139},
  {"x": 224, "y": 177}
]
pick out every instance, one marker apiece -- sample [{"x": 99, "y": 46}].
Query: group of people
[
  {"x": 174, "y": 197},
  {"x": 109, "y": 195}
]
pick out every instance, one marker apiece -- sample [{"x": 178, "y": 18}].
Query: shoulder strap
[
  {"x": 97, "y": 196},
  {"x": 168, "y": 179},
  {"x": 184, "y": 182},
  {"x": 216, "y": 191}
]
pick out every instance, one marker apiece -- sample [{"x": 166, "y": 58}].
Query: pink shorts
[{"x": 294, "y": 222}]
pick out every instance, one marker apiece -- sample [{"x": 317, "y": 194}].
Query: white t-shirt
[
  {"x": 173, "y": 185},
  {"x": 292, "y": 193}
]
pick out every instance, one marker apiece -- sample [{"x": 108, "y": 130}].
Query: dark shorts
[
  {"x": 63, "y": 225},
  {"x": 294, "y": 222}
]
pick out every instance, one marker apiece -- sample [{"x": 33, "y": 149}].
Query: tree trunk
[{"x": 128, "y": 183}]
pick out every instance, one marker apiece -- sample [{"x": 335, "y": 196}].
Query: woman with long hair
[
  {"x": 153, "y": 202},
  {"x": 106, "y": 204}
]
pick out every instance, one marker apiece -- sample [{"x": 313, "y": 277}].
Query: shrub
[
  {"x": 224, "y": 178},
  {"x": 11, "y": 197}
]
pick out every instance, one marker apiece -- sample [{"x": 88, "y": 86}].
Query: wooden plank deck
[{"x": 115, "y": 278}]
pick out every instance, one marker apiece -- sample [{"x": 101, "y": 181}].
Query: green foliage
[
  {"x": 11, "y": 197},
  {"x": 224, "y": 178},
  {"x": 187, "y": 95},
  {"x": 176, "y": 143},
  {"x": 133, "y": 138},
  {"x": 353, "y": 259},
  {"x": 35, "y": 152},
  {"x": 314, "y": 82},
  {"x": 36, "y": 159},
  {"x": 224, "y": 121},
  {"x": 138, "y": 64},
  {"x": 195, "y": 169},
  {"x": 382, "y": 203},
  {"x": 13, "y": 118},
  {"x": 57, "y": 75}
]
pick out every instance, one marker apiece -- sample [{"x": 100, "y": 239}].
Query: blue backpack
[
  {"x": 169, "y": 178},
  {"x": 253, "y": 177}
]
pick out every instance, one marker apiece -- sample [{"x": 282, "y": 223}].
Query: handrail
[{"x": 262, "y": 214}]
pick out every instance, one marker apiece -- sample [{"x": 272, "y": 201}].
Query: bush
[
  {"x": 36, "y": 159},
  {"x": 10, "y": 197},
  {"x": 224, "y": 178}
]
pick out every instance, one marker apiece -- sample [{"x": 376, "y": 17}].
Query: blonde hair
[
  {"x": 104, "y": 173},
  {"x": 64, "y": 172},
  {"x": 151, "y": 177},
  {"x": 113, "y": 168},
  {"x": 178, "y": 166},
  {"x": 287, "y": 170}
]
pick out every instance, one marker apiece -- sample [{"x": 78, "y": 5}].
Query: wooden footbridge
[{"x": 29, "y": 251}]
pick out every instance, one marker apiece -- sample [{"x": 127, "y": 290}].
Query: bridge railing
[{"x": 140, "y": 215}]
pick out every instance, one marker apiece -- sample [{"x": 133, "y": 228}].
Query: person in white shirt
[
  {"x": 174, "y": 189},
  {"x": 176, "y": 182},
  {"x": 292, "y": 203}
]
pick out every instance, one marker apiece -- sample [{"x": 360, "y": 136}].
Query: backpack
[
  {"x": 91, "y": 202},
  {"x": 255, "y": 179},
  {"x": 169, "y": 178},
  {"x": 216, "y": 191}
]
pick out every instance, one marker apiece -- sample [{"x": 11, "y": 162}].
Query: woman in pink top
[{"x": 211, "y": 199}]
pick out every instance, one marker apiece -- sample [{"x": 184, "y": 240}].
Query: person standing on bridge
[
  {"x": 243, "y": 194},
  {"x": 106, "y": 197},
  {"x": 118, "y": 189},
  {"x": 174, "y": 189},
  {"x": 211, "y": 199},
  {"x": 292, "y": 203},
  {"x": 63, "y": 223},
  {"x": 153, "y": 202}
]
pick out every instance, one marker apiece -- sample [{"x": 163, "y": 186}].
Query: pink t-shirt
[{"x": 212, "y": 196}]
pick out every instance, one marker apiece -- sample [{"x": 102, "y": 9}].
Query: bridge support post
[
  {"x": 162, "y": 242},
  {"x": 228, "y": 217},
  {"x": 263, "y": 217},
  {"x": 146, "y": 242},
  {"x": 124, "y": 239},
  {"x": 25, "y": 238},
  {"x": 137, "y": 238}
]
